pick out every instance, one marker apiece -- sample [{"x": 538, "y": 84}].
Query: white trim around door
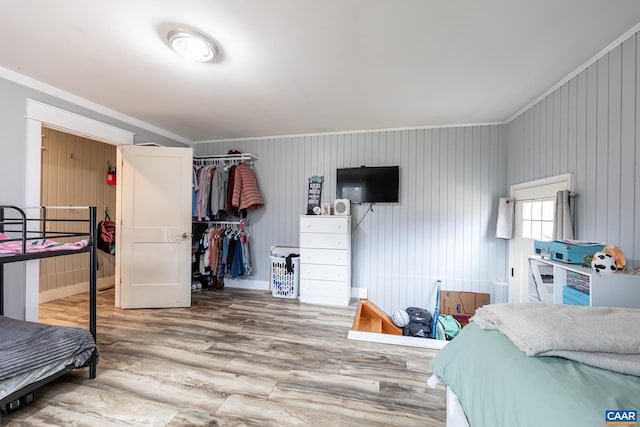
[
  {"x": 37, "y": 115},
  {"x": 519, "y": 249}
]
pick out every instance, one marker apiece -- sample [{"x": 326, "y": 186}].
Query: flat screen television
[{"x": 377, "y": 184}]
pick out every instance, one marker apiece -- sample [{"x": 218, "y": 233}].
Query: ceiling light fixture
[{"x": 192, "y": 45}]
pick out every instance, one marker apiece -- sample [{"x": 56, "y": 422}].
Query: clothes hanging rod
[
  {"x": 213, "y": 221},
  {"x": 236, "y": 225},
  {"x": 242, "y": 156}
]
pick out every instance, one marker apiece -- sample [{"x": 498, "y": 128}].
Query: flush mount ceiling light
[{"x": 192, "y": 45}]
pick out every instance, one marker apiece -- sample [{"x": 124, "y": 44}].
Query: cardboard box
[{"x": 462, "y": 305}]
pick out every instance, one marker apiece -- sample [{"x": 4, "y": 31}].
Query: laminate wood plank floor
[{"x": 235, "y": 358}]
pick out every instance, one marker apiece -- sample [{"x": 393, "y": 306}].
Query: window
[{"x": 537, "y": 219}]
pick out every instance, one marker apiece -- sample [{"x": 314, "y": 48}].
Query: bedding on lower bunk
[
  {"x": 32, "y": 351},
  {"x": 498, "y": 384},
  {"x": 14, "y": 247}
]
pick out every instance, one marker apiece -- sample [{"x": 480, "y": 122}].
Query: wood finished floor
[{"x": 235, "y": 358}]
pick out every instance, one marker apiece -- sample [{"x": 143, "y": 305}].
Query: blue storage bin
[
  {"x": 569, "y": 252},
  {"x": 574, "y": 297}
]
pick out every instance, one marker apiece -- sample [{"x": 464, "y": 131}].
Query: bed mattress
[
  {"x": 33, "y": 351},
  {"x": 498, "y": 385}
]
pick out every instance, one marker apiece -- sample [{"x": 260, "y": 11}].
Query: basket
[{"x": 283, "y": 283}]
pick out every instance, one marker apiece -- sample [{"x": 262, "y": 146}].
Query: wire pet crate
[{"x": 285, "y": 284}]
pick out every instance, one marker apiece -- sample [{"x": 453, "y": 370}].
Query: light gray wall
[
  {"x": 589, "y": 127},
  {"x": 451, "y": 180},
  {"x": 13, "y": 163},
  {"x": 443, "y": 227}
]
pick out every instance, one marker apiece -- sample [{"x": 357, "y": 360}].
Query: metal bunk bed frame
[{"x": 21, "y": 221}]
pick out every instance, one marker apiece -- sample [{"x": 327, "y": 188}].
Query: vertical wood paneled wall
[
  {"x": 589, "y": 127},
  {"x": 443, "y": 227},
  {"x": 74, "y": 173}
]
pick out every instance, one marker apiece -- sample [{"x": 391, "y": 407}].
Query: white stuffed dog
[{"x": 603, "y": 263}]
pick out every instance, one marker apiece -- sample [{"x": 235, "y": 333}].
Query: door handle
[{"x": 185, "y": 236}]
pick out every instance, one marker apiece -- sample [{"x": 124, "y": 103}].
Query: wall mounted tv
[{"x": 377, "y": 184}]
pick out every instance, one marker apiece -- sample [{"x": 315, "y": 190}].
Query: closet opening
[
  {"x": 39, "y": 115},
  {"x": 76, "y": 171}
]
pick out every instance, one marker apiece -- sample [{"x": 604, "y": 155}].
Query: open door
[
  {"x": 533, "y": 219},
  {"x": 153, "y": 253}
]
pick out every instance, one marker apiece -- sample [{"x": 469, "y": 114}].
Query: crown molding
[
  {"x": 85, "y": 103},
  {"x": 617, "y": 42}
]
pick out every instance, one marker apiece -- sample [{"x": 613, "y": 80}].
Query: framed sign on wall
[{"x": 314, "y": 195}]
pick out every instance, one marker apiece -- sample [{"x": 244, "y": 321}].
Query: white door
[
  {"x": 153, "y": 254},
  {"x": 533, "y": 220}
]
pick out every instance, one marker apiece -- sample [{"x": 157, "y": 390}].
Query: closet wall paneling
[
  {"x": 443, "y": 227},
  {"x": 74, "y": 173}
]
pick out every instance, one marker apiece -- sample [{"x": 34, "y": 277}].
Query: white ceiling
[{"x": 307, "y": 66}]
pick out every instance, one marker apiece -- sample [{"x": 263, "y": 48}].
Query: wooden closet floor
[{"x": 235, "y": 358}]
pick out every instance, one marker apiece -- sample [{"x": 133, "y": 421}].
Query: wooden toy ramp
[
  {"x": 374, "y": 325},
  {"x": 370, "y": 318}
]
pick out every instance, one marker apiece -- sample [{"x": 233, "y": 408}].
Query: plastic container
[{"x": 285, "y": 284}]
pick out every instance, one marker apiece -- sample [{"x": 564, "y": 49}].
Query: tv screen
[{"x": 368, "y": 184}]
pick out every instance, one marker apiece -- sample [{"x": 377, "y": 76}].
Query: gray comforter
[
  {"x": 603, "y": 337},
  {"x": 25, "y": 346}
]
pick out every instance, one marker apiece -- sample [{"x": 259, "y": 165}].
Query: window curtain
[
  {"x": 504, "y": 225},
  {"x": 563, "y": 222}
]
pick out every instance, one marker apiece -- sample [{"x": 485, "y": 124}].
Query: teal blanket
[{"x": 498, "y": 385}]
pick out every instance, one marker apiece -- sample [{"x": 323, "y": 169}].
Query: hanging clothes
[
  {"x": 194, "y": 191},
  {"x": 223, "y": 251},
  {"x": 246, "y": 194},
  {"x": 230, "y": 189},
  {"x": 223, "y": 188},
  {"x": 237, "y": 263},
  {"x": 201, "y": 176},
  {"x": 244, "y": 242},
  {"x": 218, "y": 193}
]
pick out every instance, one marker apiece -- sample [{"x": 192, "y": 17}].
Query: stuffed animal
[
  {"x": 603, "y": 263},
  {"x": 617, "y": 254}
]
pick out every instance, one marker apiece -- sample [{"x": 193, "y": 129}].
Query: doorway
[
  {"x": 172, "y": 237},
  {"x": 74, "y": 172},
  {"x": 38, "y": 115},
  {"x": 533, "y": 220}
]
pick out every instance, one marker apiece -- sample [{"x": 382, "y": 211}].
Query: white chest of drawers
[{"x": 325, "y": 259}]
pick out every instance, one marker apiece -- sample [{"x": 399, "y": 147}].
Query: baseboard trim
[
  {"x": 359, "y": 293},
  {"x": 78, "y": 288},
  {"x": 260, "y": 285}
]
